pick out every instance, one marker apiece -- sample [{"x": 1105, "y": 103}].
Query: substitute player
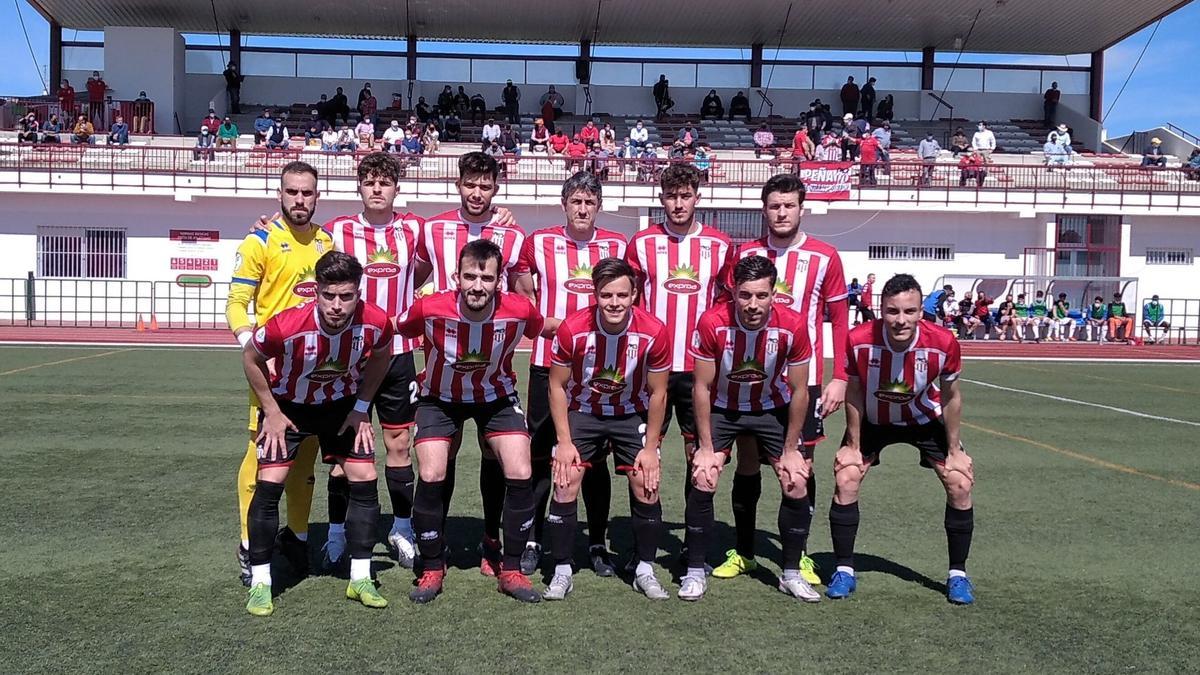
[
  {"x": 608, "y": 385},
  {"x": 679, "y": 263},
  {"x": 811, "y": 282},
  {"x": 470, "y": 336},
  {"x": 903, "y": 389},
  {"x": 555, "y": 272},
  {"x": 274, "y": 270},
  {"x": 443, "y": 239},
  {"x": 326, "y": 351},
  {"x": 751, "y": 380}
]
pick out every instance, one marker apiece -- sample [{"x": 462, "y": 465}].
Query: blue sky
[{"x": 1165, "y": 87}]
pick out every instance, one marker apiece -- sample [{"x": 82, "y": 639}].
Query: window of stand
[
  {"x": 81, "y": 252},
  {"x": 1087, "y": 246}
]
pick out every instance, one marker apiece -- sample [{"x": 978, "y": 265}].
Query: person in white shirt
[
  {"x": 1064, "y": 137},
  {"x": 329, "y": 140},
  {"x": 491, "y": 134},
  {"x": 984, "y": 142},
  {"x": 639, "y": 135},
  {"x": 393, "y": 137}
]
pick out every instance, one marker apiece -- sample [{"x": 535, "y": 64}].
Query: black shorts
[
  {"x": 929, "y": 439},
  {"x": 594, "y": 437},
  {"x": 323, "y": 421},
  {"x": 542, "y": 435},
  {"x": 396, "y": 401},
  {"x": 768, "y": 428},
  {"x": 814, "y": 424},
  {"x": 679, "y": 402},
  {"x": 439, "y": 420}
]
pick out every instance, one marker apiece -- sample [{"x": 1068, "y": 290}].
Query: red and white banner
[{"x": 826, "y": 181}]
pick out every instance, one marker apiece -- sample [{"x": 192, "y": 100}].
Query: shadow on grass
[{"x": 874, "y": 563}]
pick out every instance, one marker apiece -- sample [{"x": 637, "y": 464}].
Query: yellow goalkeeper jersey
[{"x": 274, "y": 269}]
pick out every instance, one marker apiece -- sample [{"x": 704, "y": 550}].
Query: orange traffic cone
[
  {"x": 141, "y": 325},
  {"x": 153, "y": 323}
]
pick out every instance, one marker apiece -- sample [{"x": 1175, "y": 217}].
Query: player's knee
[
  {"x": 797, "y": 490},
  {"x": 337, "y": 471},
  {"x": 360, "y": 471},
  {"x": 958, "y": 487},
  {"x": 397, "y": 442},
  {"x": 637, "y": 489},
  {"x": 273, "y": 474},
  {"x": 847, "y": 479}
]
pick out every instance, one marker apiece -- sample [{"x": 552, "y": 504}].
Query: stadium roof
[{"x": 1004, "y": 26}]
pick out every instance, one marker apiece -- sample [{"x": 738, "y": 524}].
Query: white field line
[{"x": 1124, "y": 411}]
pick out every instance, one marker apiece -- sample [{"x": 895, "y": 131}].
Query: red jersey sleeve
[
  {"x": 411, "y": 324},
  {"x": 847, "y": 358},
  {"x": 562, "y": 349},
  {"x": 704, "y": 340},
  {"x": 268, "y": 339},
  {"x": 659, "y": 358},
  {"x": 385, "y": 335},
  {"x": 420, "y": 252},
  {"x": 953, "y": 365},
  {"x": 534, "y": 321},
  {"x": 525, "y": 261},
  {"x": 800, "y": 351}
]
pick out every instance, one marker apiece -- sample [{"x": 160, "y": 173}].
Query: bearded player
[{"x": 903, "y": 389}]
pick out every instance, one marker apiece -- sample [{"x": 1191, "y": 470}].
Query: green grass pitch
[{"x": 117, "y": 523}]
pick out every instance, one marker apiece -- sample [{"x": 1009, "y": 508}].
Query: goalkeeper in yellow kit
[{"x": 274, "y": 269}]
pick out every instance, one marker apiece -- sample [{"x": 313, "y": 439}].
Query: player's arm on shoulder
[
  {"x": 411, "y": 324},
  {"x": 263, "y": 223},
  {"x": 249, "y": 266},
  {"x": 535, "y": 323}
]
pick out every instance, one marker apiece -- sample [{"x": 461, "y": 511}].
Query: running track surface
[{"x": 220, "y": 337}]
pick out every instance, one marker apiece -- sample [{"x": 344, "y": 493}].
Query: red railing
[
  {"x": 433, "y": 176},
  {"x": 101, "y": 114}
]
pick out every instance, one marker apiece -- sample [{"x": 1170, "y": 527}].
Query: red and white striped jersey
[
  {"x": 563, "y": 268},
  {"x": 868, "y": 295},
  {"x": 902, "y": 388},
  {"x": 469, "y": 361},
  {"x": 609, "y": 372},
  {"x": 386, "y": 253},
  {"x": 751, "y": 365},
  {"x": 681, "y": 277},
  {"x": 313, "y": 366},
  {"x": 443, "y": 236},
  {"x": 810, "y": 276}
]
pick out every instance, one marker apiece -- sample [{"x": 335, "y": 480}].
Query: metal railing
[
  {"x": 101, "y": 114},
  {"x": 110, "y": 303}
]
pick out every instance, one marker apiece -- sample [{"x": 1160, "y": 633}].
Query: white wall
[
  {"x": 150, "y": 60},
  {"x": 1169, "y": 281},
  {"x": 989, "y": 106}
]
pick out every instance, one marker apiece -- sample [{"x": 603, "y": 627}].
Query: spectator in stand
[
  {"x": 1119, "y": 320},
  {"x": 576, "y": 152},
  {"x": 853, "y": 293},
  {"x": 539, "y": 139},
  {"x": 1097, "y": 319},
  {"x": 1039, "y": 316},
  {"x": 984, "y": 142},
  {"x": 393, "y": 137},
  {"x": 431, "y": 139},
  {"x": 497, "y": 153},
  {"x": 339, "y": 107},
  {"x": 866, "y": 300},
  {"x": 802, "y": 146},
  {"x": 329, "y": 140},
  {"x": 462, "y": 103},
  {"x": 662, "y": 97},
  {"x": 279, "y": 138},
  {"x": 51, "y": 130},
  {"x": 314, "y": 132},
  {"x": 1154, "y": 320},
  {"x": 983, "y": 315},
  {"x": 512, "y": 102},
  {"x": 491, "y": 133},
  {"x": 365, "y": 131},
  {"x": 369, "y": 105},
  {"x": 887, "y": 109},
  {"x": 829, "y": 150},
  {"x": 948, "y": 317},
  {"x": 608, "y": 139},
  {"x": 883, "y": 134},
  {"x": 478, "y": 107},
  {"x": 453, "y": 128},
  {"x": 233, "y": 87},
  {"x": 1060, "y": 317},
  {"x": 853, "y": 130},
  {"x": 227, "y": 134},
  {"x": 28, "y": 128},
  {"x": 599, "y": 163},
  {"x": 1056, "y": 154},
  {"x": 1020, "y": 318},
  {"x": 262, "y": 127},
  {"x": 445, "y": 101},
  {"x": 678, "y": 152},
  {"x": 931, "y": 307},
  {"x": 688, "y": 136},
  {"x": 203, "y": 150},
  {"x": 412, "y": 144},
  {"x": 1154, "y": 156},
  {"x": 142, "y": 110},
  {"x": 83, "y": 133},
  {"x": 739, "y": 106},
  {"x": 212, "y": 122},
  {"x": 556, "y": 102},
  {"x": 764, "y": 142},
  {"x": 96, "y": 89},
  {"x": 346, "y": 140},
  {"x": 559, "y": 143},
  {"x": 971, "y": 167},
  {"x": 548, "y": 114},
  {"x": 590, "y": 133},
  {"x": 849, "y": 96},
  {"x": 965, "y": 319},
  {"x": 868, "y": 149},
  {"x": 649, "y": 166},
  {"x": 712, "y": 106},
  {"x": 959, "y": 143},
  {"x": 510, "y": 141},
  {"x": 1064, "y": 137},
  {"x": 364, "y": 94},
  {"x": 813, "y": 121},
  {"x": 1191, "y": 168},
  {"x": 928, "y": 151},
  {"x": 702, "y": 161},
  {"x": 422, "y": 110},
  {"x": 1050, "y": 104},
  {"x": 66, "y": 99},
  {"x": 639, "y": 135},
  {"x": 868, "y": 99},
  {"x": 1004, "y": 317}
]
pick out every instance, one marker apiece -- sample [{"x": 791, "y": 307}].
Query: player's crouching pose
[
  {"x": 322, "y": 349},
  {"x": 751, "y": 378},
  {"x": 903, "y": 389},
  {"x": 608, "y": 386}
]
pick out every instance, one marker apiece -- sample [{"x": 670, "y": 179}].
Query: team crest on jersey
[
  {"x": 499, "y": 335},
  {"x": 631, "y": 350},
  {"x": 470, "y": 363},
  {"x": 328, "y": 371},
  {"x": 237, "y": 262},
  {"x": 705, "y": 252},
  {"x": 608, "y": 382},
  {"x": 749, "y": 371},
  {"x": 320, "y": 246},
  {"x": 498, "y": 239},
  {"x": 783, "y": 293},
  {"x": 895, "y": 391},
  {"x": 921, "y": 364},
  {"x": 683, "y": 280},
  {"x": 772, "y": 344},
  {"x": 307, "y": 286},
  {"x": 579, "y": 280},
  {"x": 356, "y": 343},
  {"x": 381, "y": 265}
]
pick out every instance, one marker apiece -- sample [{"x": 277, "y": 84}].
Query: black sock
[
  {"x": 597, "y": 498},
  {"x": 263, "y": 521},
  {"x": 491, "y": 490},
  {"x": 647, "y": 528},
  {"x": 811, "y": 489},
  {"x": 517, "y": 504},
  {"x": 746, "y": 491},
  {"x": 560, "y": 530},
  {"x": 960, "y": 524},
  {"x": 339, "y": 498},
  {"x": 843, "y": 527},
  {"x": 361, "y": 518},
  {"x": 448, "y": 487},
  {"x": 699, "y": 519},
  {"x": 794, "y": 521},
  {"x": 428, "y": 519},
  {"x": 541, "y": 496},
  {"x": 401, "y": 482}
]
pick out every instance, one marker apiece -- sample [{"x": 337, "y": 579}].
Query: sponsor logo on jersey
[
  {"x": 608, "y": 381},
  {"x": 307, "y": 286},
  {"x": 895, "y": 392},
  {"x": 470, "y": 363},
  {"x": 683, "y": 280},
  {"x": 328, "y": 371},
  {"x": 783, "y": 293},
  {"x": 579, "y": 280},
  {"x": 749, "y": 371},
  {"x": 381, "y": 265}
]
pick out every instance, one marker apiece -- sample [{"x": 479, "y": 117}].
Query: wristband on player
[
  {"x": 361, "y": 406},
  {"x": 245, "y": 337}
]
